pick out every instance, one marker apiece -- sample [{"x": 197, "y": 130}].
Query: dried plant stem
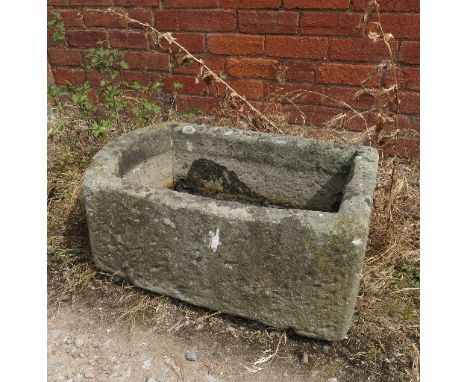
[
  {"x": 392, "y": 60},
  {"x": 171, "y": 40},
  {"x": 299, "y": 93},
  {"x": 263, "y": 361}
]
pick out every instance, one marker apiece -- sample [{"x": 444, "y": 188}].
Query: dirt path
[{"x": 86, "y": 343}]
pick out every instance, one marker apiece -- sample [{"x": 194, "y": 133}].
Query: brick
[
  {"x": 71, "y": 18},
  {"x": 145, "y": 60},
  {"x": 94, "y": 77},
  {"x": 166, "y": 20},
  {"x": 215, "y": 63},
  {"x": 313, "y": 115},
  {"x": 414, "y": 124},
  {"x": 64, "y": 57},
  {"x": 79, "y": 76},
  {"x": 335, "y": 24},
  {"x": 401, "y": 25},
  {"x": 249, "y": 4},
  {"x": 317, "y": 4},
  {"x": 356, "y": 123},
  {"x": 235, "y": 44},
  {"x": 268, "y": 22},
  {"x": 102, "y": 18},
  {"x": 363, "y": 50},
  {"x": 390, "y": 5},
  {"x": 157, "y": 61},
  {"x": 57, "y": 2},
  {"x": 300, "y": 71},
  {"x": 207, "y": 21},
  {"x": 408, "y": 78},
  {"x": 62, "y": 76},
  {"x": 252, "y": 67},
  {"x": 336, "y": 96},
  {"x": 130, "y": 40},
  {"x": 322, "y": 116},
  {"x": 189, "y": 85},
  {"x": 250, "y": 89},
  {"x": 404, "y": 147},
  {"x": 297, "y": 93},
  {"x": 141, "y": 14},
  {"x": 91, "y": 2},
  {"x": 56, "y": 56},
  {"x": 409, "y": 52},
  {"x": 204, "y": 104},
  {"x": 145, "y": 78},
  {"x": 409, "y": 102},
  {"x": 50, "y": 40},
  {"x": 136, "y": 3},
  {"x": 344, "y": 74},
  {"x": 85, "y": 39},
  {"x": 296, "y": 47},
  {"x": 193, "y": 42},
  {"x": 190, "y": 4}
]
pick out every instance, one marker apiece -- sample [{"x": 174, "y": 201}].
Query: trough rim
[{"x": 104, "y": 173}]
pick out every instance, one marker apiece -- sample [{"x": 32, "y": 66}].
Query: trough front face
[{"x": 268, "y": 227}]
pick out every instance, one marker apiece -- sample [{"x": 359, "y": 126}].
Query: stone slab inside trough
[{"x": 269, "y": 227}]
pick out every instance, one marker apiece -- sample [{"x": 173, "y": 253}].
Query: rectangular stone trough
[{"x": 269, "y": 227}]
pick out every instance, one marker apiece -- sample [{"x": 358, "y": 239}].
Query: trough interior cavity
[{"x": 262, "y": 173}]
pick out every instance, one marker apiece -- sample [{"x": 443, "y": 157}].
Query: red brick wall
[{"x": 251, "y": 40}]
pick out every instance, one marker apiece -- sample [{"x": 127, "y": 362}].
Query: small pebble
[
  {"x": 191, "y": 354},
  {"x": 285, "y": 374},
  {"x": 305, "y": 358},
  {"x": 88, "y": 374},
  {"x": 79, "y": 342},
  {"x": 326, "y": 348},
  {"x": 117, "y": 279},
  {"x": 147, "y": 364},
  {"x": 332, "y": 380}
]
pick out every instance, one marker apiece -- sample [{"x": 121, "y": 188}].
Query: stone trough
[{"x": 269, "y": 227}]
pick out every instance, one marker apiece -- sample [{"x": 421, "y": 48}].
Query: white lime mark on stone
[
  {"x": 189, "y": 146},
  {"x": 169, "y": 222},
  {"x": 214, "y": 240},
  {"x": 188, "y": 129},
  {"x": 357, "y": 241}
]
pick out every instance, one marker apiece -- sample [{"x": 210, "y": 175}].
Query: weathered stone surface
[{"x": 268, "y": 227}]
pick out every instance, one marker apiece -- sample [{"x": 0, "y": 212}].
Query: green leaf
[
  {"x": 177, "y": 85},
  {"x": 222, "y": 75},
  {"x": 158, "y": 86},
  {"x": 155, "y": 108},
  {"x": 135, "y": 85},
  {"x": 123, "y": 65}
]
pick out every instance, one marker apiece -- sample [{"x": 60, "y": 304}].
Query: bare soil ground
[
  {"x": 88, "y": 341},
  {"x": 101, "y": 328}
]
